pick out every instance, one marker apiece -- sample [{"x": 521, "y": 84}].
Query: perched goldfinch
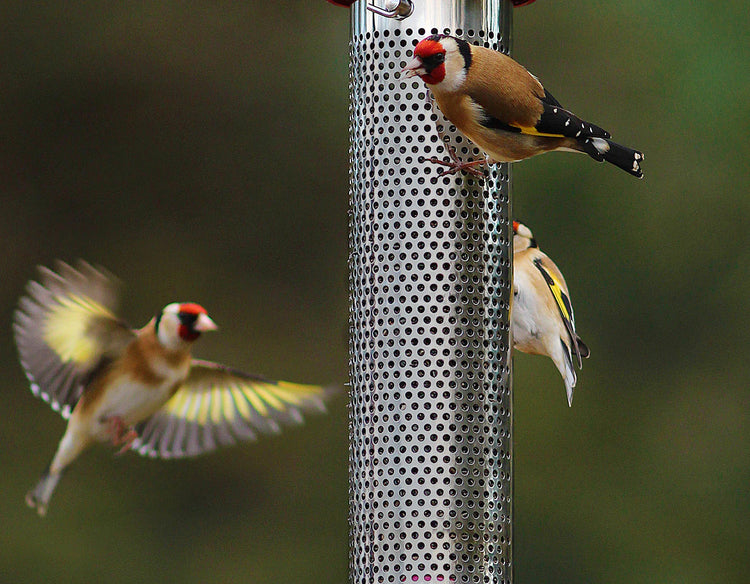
[
  {"x": 542, "y": 321},
  {"x": 139, "y": 389},
  {"x": 504, "y": 109}
]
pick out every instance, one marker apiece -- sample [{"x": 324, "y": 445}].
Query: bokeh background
[{"x": 199, "y": 151}]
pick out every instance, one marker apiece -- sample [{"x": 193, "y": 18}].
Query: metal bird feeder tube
[{"x": 430, "y": 459}]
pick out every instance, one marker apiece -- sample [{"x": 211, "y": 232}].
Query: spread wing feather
[
  {"x": 64, "y": 327},
  {"x": 219, "y": 406}
]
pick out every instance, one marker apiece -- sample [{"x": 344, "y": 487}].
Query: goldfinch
[
  {"x": 542, "y": 321},
  {"x": 140, "y": 389},
  {"x": 504, "y": 109}
]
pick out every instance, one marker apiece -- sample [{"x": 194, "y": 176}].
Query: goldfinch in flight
[
  {"x": 542, "y": 321},
  {"x": 140, "y": 389},
  {"x": 504, "y": 109}
]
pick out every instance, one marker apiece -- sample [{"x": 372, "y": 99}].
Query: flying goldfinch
[
  {"x": 542, "y": 321},
  {"x": 140, "y": 389},
  {"x": 504, "y": 109}
]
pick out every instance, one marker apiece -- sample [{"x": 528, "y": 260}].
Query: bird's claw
[
  {"x": 36, "y": 504},
  {"x": 121, "y": 434},
  {"x": 127, "y": 441},
  {"x": 457, "y": 166}
]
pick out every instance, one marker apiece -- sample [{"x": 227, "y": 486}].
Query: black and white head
[
  {"x": 181, "y": 323},
  {"x": 441, "y": 61},
  {"x": 522, "y": 237}
]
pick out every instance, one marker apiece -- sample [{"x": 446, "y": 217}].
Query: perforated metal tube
[{"x": 430, "y": 284}]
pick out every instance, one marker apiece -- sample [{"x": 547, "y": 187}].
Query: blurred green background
[{"x": 199, "y": 152}]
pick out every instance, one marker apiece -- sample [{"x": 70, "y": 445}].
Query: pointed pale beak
[
  {"x": 204, "y": 324},
  {"x": 413, "y": 68}
]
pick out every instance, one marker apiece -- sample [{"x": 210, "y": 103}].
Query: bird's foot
[
  {"x": 121, "y": 434},
  {"x": 458, "y": 166},
  {"x": 36, "y": 504},
  {"x": 127, "y": 441}
]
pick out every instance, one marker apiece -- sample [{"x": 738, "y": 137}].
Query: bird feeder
[{"x": 430, "y": 460}]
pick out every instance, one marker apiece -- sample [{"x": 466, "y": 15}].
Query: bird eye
[
  {"x": 188, "y": 318},
  {"x": 433, "y": 61}
]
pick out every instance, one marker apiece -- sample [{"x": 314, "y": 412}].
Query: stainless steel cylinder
[{"x": 430, "y": 284}]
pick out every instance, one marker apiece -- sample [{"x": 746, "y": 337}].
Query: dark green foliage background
[{"x": 199, "y": 151}]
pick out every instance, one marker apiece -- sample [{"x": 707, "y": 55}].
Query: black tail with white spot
[{"x": 603, "y": 149}]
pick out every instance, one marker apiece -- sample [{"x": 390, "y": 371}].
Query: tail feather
[
  {"x": 568, "y": 372},
  {"x": 603, "y": 149},
  {"x": 583, "y": 348},
  {"x": 38, "y": 497}
]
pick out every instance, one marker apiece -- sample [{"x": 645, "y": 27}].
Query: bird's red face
[
  {"x": 515, "y": 226},
  {"x": 429, "y": 61},
  {"x": 194, "y": 320}
]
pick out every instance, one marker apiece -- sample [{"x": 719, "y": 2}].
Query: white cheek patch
[
  {"x": 167, "y": 333},
  {"x": 454, "y": 79}
]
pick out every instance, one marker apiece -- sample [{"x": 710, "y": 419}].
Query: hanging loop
[{"x": 398, "y": 9}]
